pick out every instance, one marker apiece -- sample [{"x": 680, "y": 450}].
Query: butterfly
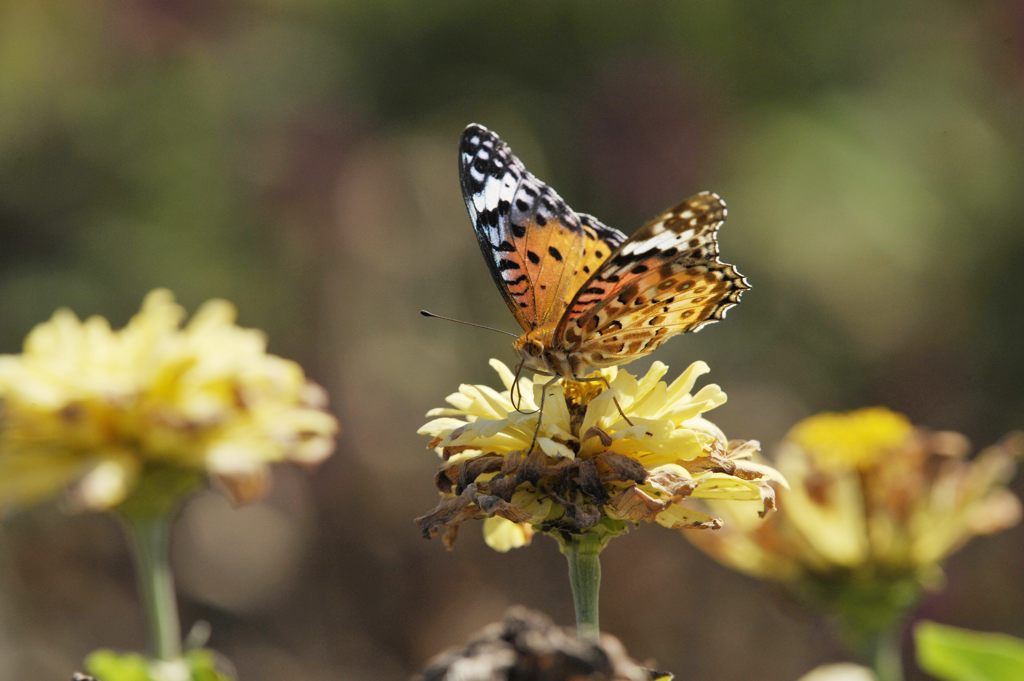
[{"x": 586, "y": 296}]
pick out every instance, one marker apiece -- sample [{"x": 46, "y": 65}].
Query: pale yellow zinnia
[
  {"x": 874, "y": 507},
  {"x": 593, "y": 469},
  {"x": 102, "y": 412}
]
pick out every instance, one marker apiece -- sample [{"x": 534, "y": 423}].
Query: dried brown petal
[
  {"x": 526, "y": 646},
  {"x": 594, "y": 431},
  {"x": 636, "y": 505},
  {"x": 618, "y": 467},
  {"x": 474, "y": 468},
  {"x": 589, "y": 481},
  {"x": 245, "y": 486},
  {"x": 679, "y": 486},
  {"x": 580, "y": 517},
  {"x": 767, "y": 499},
  {"x": 448, "y": 513},
  {"x": 472, "y": 503}
]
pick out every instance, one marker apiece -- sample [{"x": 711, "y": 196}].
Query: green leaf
[
  {"x": 107, "y": 665},
  {"x": 203, "y": 664},
  {"x": 953, "y": 654}
]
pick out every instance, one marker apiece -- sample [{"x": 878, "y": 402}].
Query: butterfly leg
[
  {"x": 516, "y": 392},
  {"x": 540, "y": 412},
  {"x": 607, "y": 386}
]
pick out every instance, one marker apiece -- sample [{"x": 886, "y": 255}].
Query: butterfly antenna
[{"x": 428, "y": 313}]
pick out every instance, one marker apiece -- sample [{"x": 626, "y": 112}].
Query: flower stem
[
  {"x": 886, "y": 658},
  {"x": 150, "y": 540},
  {"x": 583, "y": 555}
]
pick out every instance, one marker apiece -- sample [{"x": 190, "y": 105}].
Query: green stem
[
  {"x": 886, "y": 659},
  {"x": 583, "y": 555},
  {"x": 150, "y": 540}
]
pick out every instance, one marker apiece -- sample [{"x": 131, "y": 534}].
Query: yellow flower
[
  {"x": 101, "y": 412},
  {"x": 852, "y": 440},
  {"x": 875, "y": 505},
  {"x": 591, "y": 470}
]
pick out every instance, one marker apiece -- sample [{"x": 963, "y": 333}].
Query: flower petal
[{"x": 504, "y": 535}]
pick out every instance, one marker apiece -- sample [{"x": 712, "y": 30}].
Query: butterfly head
[{"x": 535, "y": 350}]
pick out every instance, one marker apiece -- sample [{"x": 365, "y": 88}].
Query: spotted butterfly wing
[
  {"x": 665, "y": 280},
  {"x": 539, "y": 251}
]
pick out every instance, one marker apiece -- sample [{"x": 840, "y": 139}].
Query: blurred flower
[
  {"x": 526, "y": 646},
  {"x": 839, "y": 672},
  {"x": 592, "y": 471},
  {"x": 146, "y": 410},
  {"x": 875, "y": 504}
]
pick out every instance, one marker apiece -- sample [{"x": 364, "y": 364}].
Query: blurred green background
[{"x": 299, "y": 158}]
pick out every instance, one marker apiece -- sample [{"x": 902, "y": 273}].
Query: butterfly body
[{"x": 586, "y": 296}]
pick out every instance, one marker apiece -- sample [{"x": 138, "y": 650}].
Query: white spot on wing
[
  {"x": 492, "y": 191},
  {"x": 508, "y": 188}
]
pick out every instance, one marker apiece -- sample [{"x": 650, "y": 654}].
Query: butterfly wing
[
  {"x": 539, "y": 251},
  {"x": 664, "y": 280}
]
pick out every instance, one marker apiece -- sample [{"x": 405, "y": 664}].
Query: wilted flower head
[
  {"x": 105, "y": 412},
  {"x": 591, "y": 470},
  {"x": 875, "y": 504},
  {"x": 526, "y": 646}
]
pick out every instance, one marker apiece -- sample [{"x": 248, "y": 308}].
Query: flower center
[
  {"x": 856, "y": 439},
  {"x": 579, "y": 393}
]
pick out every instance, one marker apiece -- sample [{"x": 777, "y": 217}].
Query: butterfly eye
[{"x": 535, "y": 348}]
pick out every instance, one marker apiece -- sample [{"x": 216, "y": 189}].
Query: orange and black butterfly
[{"x": 586, "y": 296}]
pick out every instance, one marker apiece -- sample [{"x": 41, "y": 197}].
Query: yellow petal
[
  {"x": 107, "y": 483},
  {"x": 504, "y": 535}
]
